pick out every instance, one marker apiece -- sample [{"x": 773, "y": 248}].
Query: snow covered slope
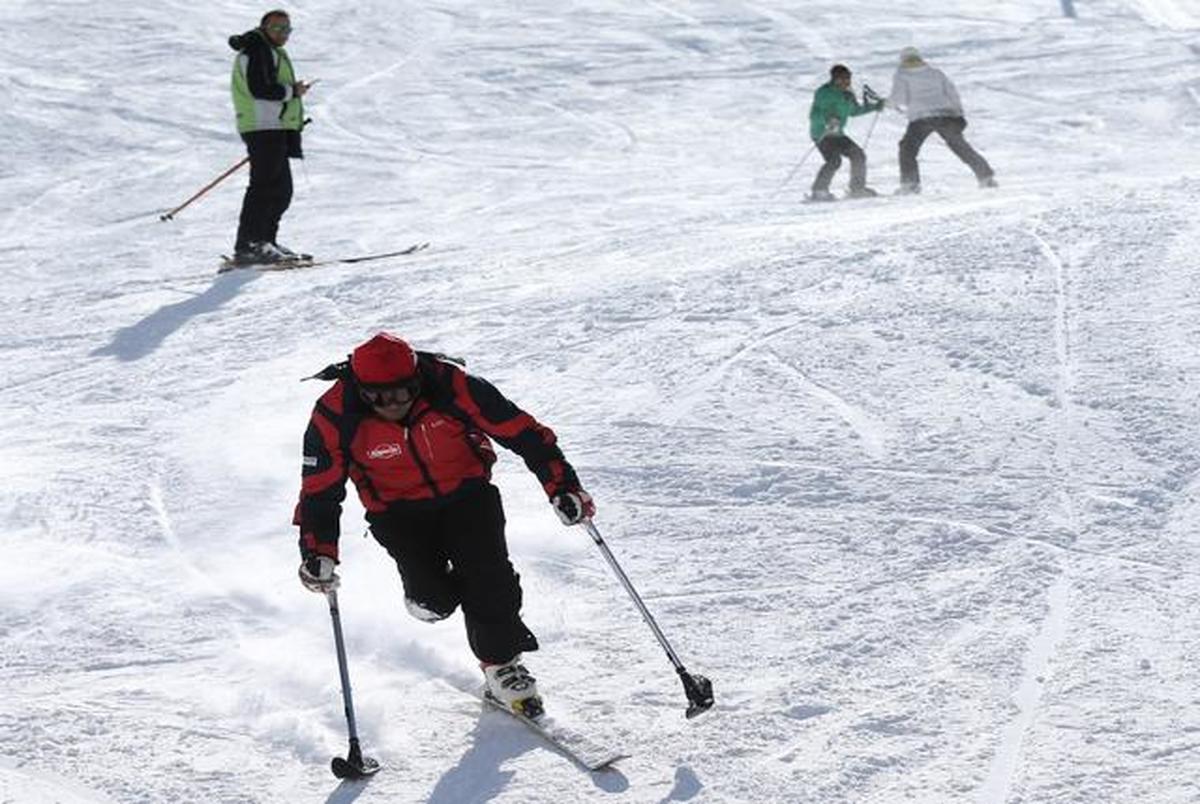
[{"x": 915, "y": 482}]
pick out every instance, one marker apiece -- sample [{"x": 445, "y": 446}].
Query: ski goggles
[{"x": 382, "y": 396}]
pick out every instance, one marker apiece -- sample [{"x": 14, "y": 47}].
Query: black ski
[{"x": 227, "y": 263}]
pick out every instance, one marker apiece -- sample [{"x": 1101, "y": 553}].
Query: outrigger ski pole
[
  {"x": 355, "y": 765},
  {"x": 698, "y": 688}
]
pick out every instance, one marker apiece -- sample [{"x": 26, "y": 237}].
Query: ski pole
[
  {"x": 698, "y": 688},
  {"x": 795, "y": 170},
  {"x": 167, "y": 216},
  {"x": 871, "y": 129},
  {"x": 867, "y": 89},
  {"x": 355, "y": 765}
]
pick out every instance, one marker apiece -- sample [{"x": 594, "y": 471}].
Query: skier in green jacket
[{"x": 832, "y": 105}]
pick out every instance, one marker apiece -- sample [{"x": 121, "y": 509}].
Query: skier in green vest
[
  {"x": 832, "y": 105},
  {"x": 270, "y": 114}
]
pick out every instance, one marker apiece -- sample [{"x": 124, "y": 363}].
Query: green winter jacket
[
  {"x": 830, "y": 103},
  {"x": 262, "y": 86}
]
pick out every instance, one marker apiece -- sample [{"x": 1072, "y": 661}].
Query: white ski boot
[{"x": 512, "y": 685}]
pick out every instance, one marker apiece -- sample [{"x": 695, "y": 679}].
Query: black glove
[{"x": 573, "y": 507}]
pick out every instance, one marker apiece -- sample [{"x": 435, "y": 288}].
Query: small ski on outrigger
[{"x": 307, "y": 261}]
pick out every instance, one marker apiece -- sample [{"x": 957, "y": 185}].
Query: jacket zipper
[{"x": 412, "y": 450}]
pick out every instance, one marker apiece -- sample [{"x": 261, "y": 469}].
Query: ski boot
[
  {"x": 292, "y": 256},
  {"x": 513, "y": 687},
  {"x": 987, "y": 182},
  {"x": 259, "y": 253},
  {"x": 861, "y": 192},
  {"x": 821, "y": 195}
]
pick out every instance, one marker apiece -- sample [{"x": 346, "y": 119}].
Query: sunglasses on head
[{"x": 380, "y": 396}]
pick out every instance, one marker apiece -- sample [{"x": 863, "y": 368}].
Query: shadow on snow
[
  {"x": 496, "y": 739},
  {"x": 138, "y": 340}
]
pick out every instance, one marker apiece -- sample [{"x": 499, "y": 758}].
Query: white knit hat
[{"x": 909, "y": 53}]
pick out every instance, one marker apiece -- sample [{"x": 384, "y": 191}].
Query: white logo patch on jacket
[{"x": 383, "y": 452}]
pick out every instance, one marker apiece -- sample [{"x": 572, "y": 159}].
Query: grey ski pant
[{"x": 949, "y": 129}]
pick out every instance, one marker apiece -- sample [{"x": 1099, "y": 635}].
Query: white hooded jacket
[{"x": 922, "y": 91}]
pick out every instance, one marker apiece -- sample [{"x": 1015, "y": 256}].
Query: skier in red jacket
[{"x": 414, "y": 432}]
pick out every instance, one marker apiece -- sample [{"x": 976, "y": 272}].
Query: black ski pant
[
  {"x": 833, "y": 148},
  {"x": 949, "y": 129},
  {"x": 455, "y": 555},
  {"x": 270, "y": 191}
]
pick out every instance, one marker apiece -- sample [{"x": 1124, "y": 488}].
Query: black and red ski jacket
[{"x": 440, "y": 450}]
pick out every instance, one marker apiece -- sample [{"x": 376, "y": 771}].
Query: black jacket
[{"x": 262, "y": 75}]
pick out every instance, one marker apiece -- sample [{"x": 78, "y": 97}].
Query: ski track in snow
[
  {"x": 914, "y": 481},
  {"x": 997, "y": 786},
  {"x": 1002, "y": 775},
  {"x": 867, "y": 428}
]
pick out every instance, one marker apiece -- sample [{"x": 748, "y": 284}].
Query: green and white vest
[{"x": 256, "y": 114}]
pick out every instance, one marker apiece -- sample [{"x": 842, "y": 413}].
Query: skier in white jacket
[{"x": 932, "y": 104}]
